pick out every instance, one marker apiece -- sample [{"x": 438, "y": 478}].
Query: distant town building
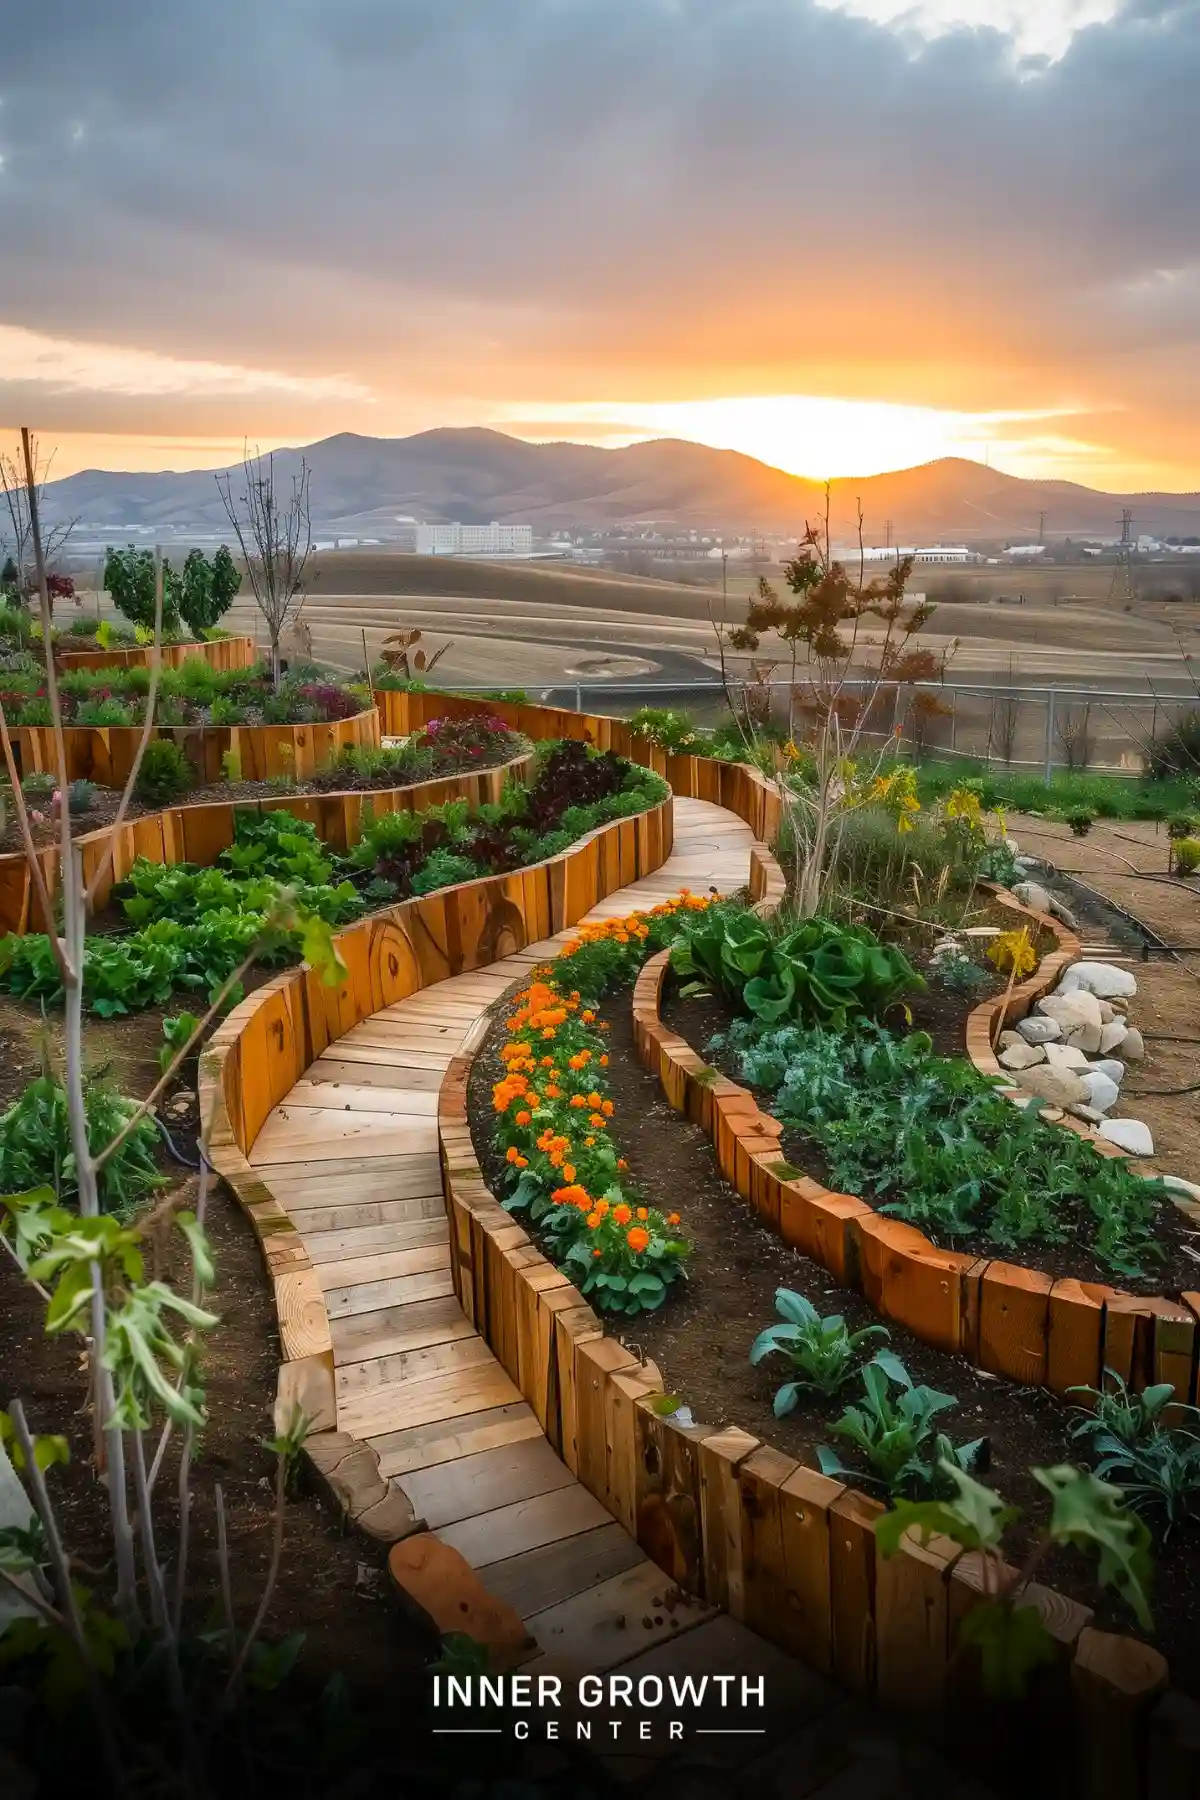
[
  {"x": 927, "y": 553},
  {"x": 1026, "y": 550},
  {"x": 455, "y": 539}
]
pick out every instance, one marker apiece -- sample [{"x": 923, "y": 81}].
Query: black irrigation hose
[
  {"x": 1163, "y": 1093},
  {"x": 175, "y": 1152}
]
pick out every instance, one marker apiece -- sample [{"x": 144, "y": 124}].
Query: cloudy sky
[{"x": 841, "y": 234}]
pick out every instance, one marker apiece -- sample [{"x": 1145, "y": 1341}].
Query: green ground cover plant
[
  {"x": 1106, "y": 796},
  {"x": 930, "y": 1140},
  {"x": 1153, "y": 1460},
  {"x": 35, "y": 1145},
  {"x": 824, "y": 1353}
]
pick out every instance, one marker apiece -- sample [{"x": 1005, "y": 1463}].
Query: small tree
[
  {"x": 19, "y": 532},
  {"x": 130, "y": 579},
  {"x": 843, "y": 622},
  {"x": 275, "y": 537},
  {"x": 1073, "y": 729},
  {"x": 163, "y": 1696},
  {"x": 207, "y": 589}
]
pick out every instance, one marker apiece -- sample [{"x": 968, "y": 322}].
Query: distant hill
[{"x": 361, "y": 484}]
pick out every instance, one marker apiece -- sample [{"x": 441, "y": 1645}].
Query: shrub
[
  {"x": 207, "y": 590},
  {"x": 165, "y": 773},
  {"x": 39, "y": 784},
  {"x": 1080, "y": 819},
  {"x": 81, "y": 797},
  {"x": 129, "y": 578},
  {"x": 1177, "y": 750},
  {"x": 1187, "y": 855},
  {"x": 1183, "y": 825},
  {"x": 958, "y": 974}
]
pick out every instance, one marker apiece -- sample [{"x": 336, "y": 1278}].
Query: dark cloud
[{"x": 451, "y": 196}]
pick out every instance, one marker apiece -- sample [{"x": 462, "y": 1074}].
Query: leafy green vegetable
[
  {"x": 896, "y": 1436},
  {"x": 36, "y": 1153},
  {"x": 1155, "y": 1465},
  {"x": 824, "y": 1354},
  {"x": 820, "y": 970}
]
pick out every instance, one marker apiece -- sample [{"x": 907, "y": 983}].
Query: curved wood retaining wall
[
  {"x": 105, "y": 753},
  {"x": 223, "y": 654},
  {"x": 775, "y": 1544},
  {"x": 1008, "y": 1320},
  {"x": 198, "y": 834}
]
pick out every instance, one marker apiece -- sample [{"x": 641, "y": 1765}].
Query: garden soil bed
[
  {"x": 701, "y": 1338},
  {"x": 332, "y": 1584}
]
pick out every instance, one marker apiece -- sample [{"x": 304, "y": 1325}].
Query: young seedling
[
  {"x": 1155, "y": 1465},
  {"x": 824, "y": 1354},
  {"x": 896, "y": 1435}
]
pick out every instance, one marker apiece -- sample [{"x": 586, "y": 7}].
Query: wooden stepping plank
[
  {"x": 605, "y": 1625},
  {"x": 386, "y": 1177},
  {"x": 371, "y": 1074},
  {"x": 426, "y": 1446},
  {"x": 387, "y": 1264},
  {"x": 542, "y": 1578},
  {"x": 372, "y": 1062},
  {"x": 358, "y": 1097},
  {"x": 411, "y": 1366},
  {"x": 399, "y": 1405},
  {"x": 348, "y": 1214},
  {"x": 490, "y": 1479},
  {"x": 370, "y": 1296},
  {"x": 361, "y": 1240},
  {"x": 525, "y": 1525},
  {"x": 314, "y": 1136},
  {"x": 397, "y": 1328}
]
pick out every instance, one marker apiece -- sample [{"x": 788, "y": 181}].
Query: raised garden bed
[
  {"x": 338, "y": 802},
  {"x": 221, "y": 653},
  {"x": 1006, "y": 1319}
]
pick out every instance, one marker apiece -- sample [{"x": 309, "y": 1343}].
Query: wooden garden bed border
[
  {"x": 105, "y": 753},
  {"x": 775, "y": 1544},
  {"x": 1005, "y": 1319},
  {"x": 223, "y": 654},
  {"x": 784, "y": 1549},
  {"x": 200, "y": 832}
]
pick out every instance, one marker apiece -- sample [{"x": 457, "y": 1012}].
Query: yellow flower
[{"x": 1014, "y": 950}]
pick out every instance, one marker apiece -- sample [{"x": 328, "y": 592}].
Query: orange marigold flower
[
  {"x": 622, "y": 1214},
  {"x": 597, "y": 1253},
  {"x": 593, "y": 1219},
  {"x": 568, "y": 1171},
  {"x": 524, "y": 1118},
  {"x": 604, "y": 1062},
  {"x": 580, "y": 1060},
  {"x": 587, "y": 1015},
  {"x": 637, "y": 1237},
  {"x": 606, "y": 1107},
  {"x": 621, "y": 1163},
  {"x": 588, "y": 1142},
  {"x": 593, "y": 1098},
  {"x": 672, "y": 1218},
  {"x": 596, "y": 1119},
  {"x": 601, "y": 1206},
  {"x": 574, "y": 1195},
  {"x": 512, "y": 1153},
  {"x": 553, "y": 1093},
  {"x": 578, "y": 1100},
  {"x": 643, "y": 1215},
  {"x": 547, "y": 1062},
  {"x": 549, "y": 1032}
]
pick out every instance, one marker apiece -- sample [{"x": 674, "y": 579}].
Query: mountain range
[{"x": 361, "y": 486}]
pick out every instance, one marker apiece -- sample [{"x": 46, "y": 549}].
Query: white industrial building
[
  {"x": 929, "y": 553},
  {"x": 455, "y": 539}
]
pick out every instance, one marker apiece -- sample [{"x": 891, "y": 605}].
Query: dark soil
[{"x": 701, "y": 1338}]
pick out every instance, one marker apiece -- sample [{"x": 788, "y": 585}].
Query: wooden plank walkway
[{"x": 352, "y": 1154}]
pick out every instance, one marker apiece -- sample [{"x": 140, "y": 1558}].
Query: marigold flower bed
[{"x": 554, "y": 1115}]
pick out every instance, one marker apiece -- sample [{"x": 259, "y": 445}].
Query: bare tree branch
[{"x": 275, "y": 539}]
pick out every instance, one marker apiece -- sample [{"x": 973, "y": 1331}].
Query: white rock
[
  {"x": 1007, "y": 1039},
  {"x": 947, "y": 946},
  {"x": 1022, "y": 1056},
  {"x": 1012, "y": 846},
  {"x": 1132, "y": 1047},
  {"x": 1079, "y": 1015},
  {"x": 1026, "y": 862},
  {"x": 1065, "y": 1056},
  {"x": 1110, "y": 1066},
  {"x": 1034, "y": 895},
  {"x": 1132, "y": 1135},
  {"x": 1061, "y": 1087},
  {"x": 1113, "y": 1035},
  {"x": 1037, "y": 1029},
  {"x": 1064, "y": 913},
  {"x": 1105, "y": 980},
  {"x": 1178, "y": 1185},
  {"x": 1103, "y": 1092},
  {"x": 1088, "y": 1114},
  {"x": 1106, "y": 1010}
]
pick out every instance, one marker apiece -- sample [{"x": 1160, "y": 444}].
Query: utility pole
[
  {"x": 887, "y": 534},
  {"x": 1041, "y": 528}
]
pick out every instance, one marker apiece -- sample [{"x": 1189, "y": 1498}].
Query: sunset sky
[{"x": 841, "y": 235}]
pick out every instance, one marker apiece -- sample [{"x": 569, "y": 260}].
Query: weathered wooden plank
[
  {"x": 486, "y": 1481},
  {"x": 525, "y": 1525},
  {"x": 372, "y": 1296},
  {"x": 542, "y": 1578},
  {"x": 346, "y": 1241},
  {"x": 357, "y": 1097},
  {"x": 395, "y": 1328},
  {"x": 445, "y": 1440},
  {"x": 386, "y": 1265},
  {"x": 398, "y": 1405},
  {"x": 411, "y": 1367},
  {"x": 615, "y": 1620}
]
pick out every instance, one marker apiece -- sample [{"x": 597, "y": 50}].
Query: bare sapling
[
  {"x": 850, "y": 641},
  {"x": 274, "y": 534},
  {"x": 144, "y": 1337}
]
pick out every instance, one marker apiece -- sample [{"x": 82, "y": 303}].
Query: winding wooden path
[{"x": 352, "y": 1155}]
